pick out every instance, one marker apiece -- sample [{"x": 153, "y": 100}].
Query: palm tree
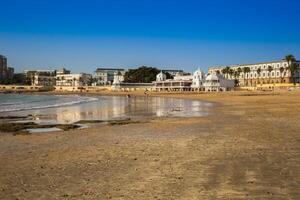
[
  {"x": 281, "y": 69},
  {"x": 258, "y": 73},
  {"x": 270, "y": 69},
  {"x": 231, "y": 72},
  {"x": 74, "y": 80},
  {"x": 245, "y": 71},
  {"x": 291, "y": 66},
  {"x": 225, "y": 71}
]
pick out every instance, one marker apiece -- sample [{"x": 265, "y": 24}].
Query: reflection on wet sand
[{"x": 112, "y": 107}]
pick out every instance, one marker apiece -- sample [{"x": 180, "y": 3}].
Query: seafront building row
[
  {"x": 261, "y": 73},
  {"x": 222, "y": 78}
]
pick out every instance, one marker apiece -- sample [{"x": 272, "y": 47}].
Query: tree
[
  {"x": 143, "y": 74},
  {"x": 168, "y": 75},
  {"x": 270, "y": 69},
  {"x": 231, "y": 72},
  {"x": 225, "y": 71},
  {"x": 281, "y": 69},
  {"x": 258, "y": 73},
  {"x": 74, "y": 80},
  {"x": 235, "y": 74},
  {"x": 245, "y": 71},
  {"x": 291, "y": 66}
]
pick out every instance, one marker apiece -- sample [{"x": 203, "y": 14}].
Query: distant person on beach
[{"x": 146, "y": 93}]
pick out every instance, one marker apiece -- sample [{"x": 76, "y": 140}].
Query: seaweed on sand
[{"x": 20, "y": 128}]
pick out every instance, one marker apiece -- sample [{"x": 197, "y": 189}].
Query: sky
[{"x": 167, "y": 34}]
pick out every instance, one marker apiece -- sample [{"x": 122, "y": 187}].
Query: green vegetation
[
  {"x": 143, "y": 74},
  {"x": 110, "y": 122},
  {"x": 17, "y": 79},
  {"x": 282, "y": 74},
  {"x": 270, "y": 69},
  {"x": 226, "y": 71},
  {"x": 122, "y": 122},
  {"x": 245, "y": 71},
  {"x": 258, "y": 73},
  {"x": 292, "y": 66},
  {"x": 20, "y": 128}
]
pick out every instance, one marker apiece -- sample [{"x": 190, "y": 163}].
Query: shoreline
[
  {"x": 24, "y": 124},
  {"x": 248, "y": 149}
]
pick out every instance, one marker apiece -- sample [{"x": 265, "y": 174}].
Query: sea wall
[
  {"x": 82, "y": 88},
  {"x": 24, "y": 88},
  {"x": 275, "y": 86}
]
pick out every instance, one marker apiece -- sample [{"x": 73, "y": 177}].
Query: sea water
[{"x": 72, "y": 108}]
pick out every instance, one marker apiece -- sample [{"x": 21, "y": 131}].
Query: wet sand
[{"x": 249, "y": 148}]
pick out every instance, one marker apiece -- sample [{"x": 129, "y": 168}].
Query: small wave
[
  {"x": 20, "y": 102},
  {"x": 90, "y": 99}
]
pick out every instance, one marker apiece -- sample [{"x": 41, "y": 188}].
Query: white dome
[
  {"x": 199, "y": 72},
  {"x": 213, "y": 77}
]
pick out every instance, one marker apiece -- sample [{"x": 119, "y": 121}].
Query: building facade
[
  {"x": 6, "y": 73},
  {"x": 251, "y": 75},
  {"x": 62, "y": 71},
  {"x": 73, "y": 80},
  {"x": 196, "y": 82},
  {"x": 216, "y": 82},
  {"x": 178, "y": 83},
  {"x": 105, "y": 76},
  {"x": 40, "y": 77}
]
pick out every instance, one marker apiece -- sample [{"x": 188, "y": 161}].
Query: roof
[
  {"x": 172, "y": 70},
  {"x": 213, "y": 77},
  {"x": 40, "y": 70},
  {"x": 240, "y": 65},
  {"x": 110, "y": 69}
]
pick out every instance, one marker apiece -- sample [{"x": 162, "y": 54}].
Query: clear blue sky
[{"x": 179, "y": 34}]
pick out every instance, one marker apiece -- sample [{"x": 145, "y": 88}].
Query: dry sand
[{"x": 249, "y": 148}]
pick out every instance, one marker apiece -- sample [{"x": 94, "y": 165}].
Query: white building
[
  {"x": 40, "y": 77},
  {"x": 260, "y": 73},
  {"x": 217, "y": 83},
  {"x": 198, "y": 80},
  {"x": 62, "y": 71},
  {"x": 73, "y": 80},
  {"x": 118, "y": 77},
  {"x": 106, "y": 76},
  {"x": 181, "y": 76},
  {"x": 161, "y": 77},
  {"x": 43, "y": 80},
  {"x": 178, "y": 83}
]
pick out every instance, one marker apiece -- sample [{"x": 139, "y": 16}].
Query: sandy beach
[{"x": 248, "y": 148}]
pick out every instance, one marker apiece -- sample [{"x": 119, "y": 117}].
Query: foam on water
[{"x": 14, "y": 102}]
